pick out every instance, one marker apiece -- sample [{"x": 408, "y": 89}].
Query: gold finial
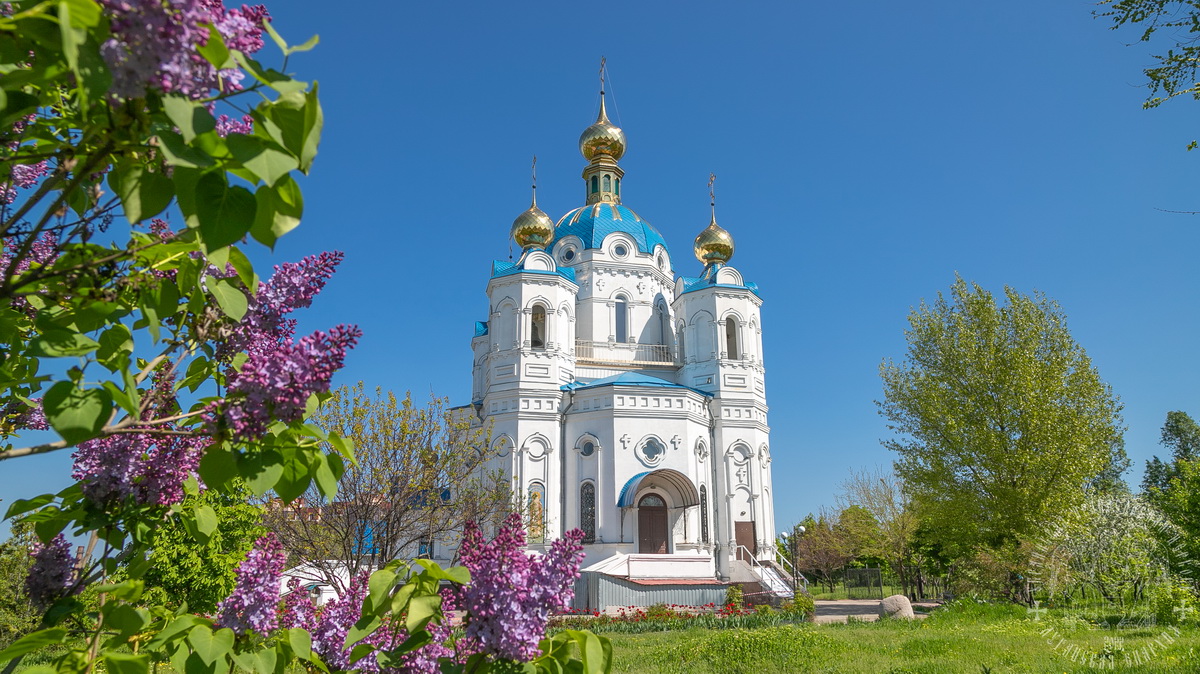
[
  {"x": 602, "y": 138},
  {"x": 533, "y": 228},
  {"x": 714, "y": 245}
]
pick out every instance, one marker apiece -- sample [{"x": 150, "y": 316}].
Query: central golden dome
[
  {"x": 602, "y": 138},
  {"x": 714, "y": 244}
]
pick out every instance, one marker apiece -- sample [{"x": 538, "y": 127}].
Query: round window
[
  {"x": 568, "y": 255},
  {"x": 588, "y": 448},
  {"x": 620, "y": 250}
]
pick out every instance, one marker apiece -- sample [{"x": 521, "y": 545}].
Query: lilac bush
[
  {"x": 52, "y": 573},
  {"x": 252, "y": 606},
  {"x": 512, "y": 593},
  {"x": 143, "y": 468}
]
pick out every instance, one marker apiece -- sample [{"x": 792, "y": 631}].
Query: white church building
[{"x": 629, "y": 400}]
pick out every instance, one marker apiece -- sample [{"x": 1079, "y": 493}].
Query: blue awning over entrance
[{"x": 678, "y": 487}]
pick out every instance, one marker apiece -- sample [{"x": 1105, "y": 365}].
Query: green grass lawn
[{"x": 995, "y": 639}]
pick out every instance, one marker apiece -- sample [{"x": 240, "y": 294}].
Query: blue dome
[{"x": 594, "y": 222}]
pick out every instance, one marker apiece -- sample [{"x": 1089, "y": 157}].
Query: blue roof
[
  {"x": 503, "y": 268},
  {"x": 691, "y": 283},
  {"x": 594, "y": 222},
  {"x": 629, "y": 379},
  {"x": 481, "y": 328}
]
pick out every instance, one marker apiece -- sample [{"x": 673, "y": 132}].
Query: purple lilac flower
[
  {"x": 27, "y": 175},
  {"x": 252, "y": 604},
  {"x": 276, "y": 384},
  {"x": 146, "y": 468},
  {"x": 334, "y": 622},
  {"x": 512, "y": 593},
  {"x": 226, "y": 125},
  {"x": 292, "y": 286},
  {"x": 52, "y": 573},
  {"x": 155, "y": 44},
  {"x": 298, "y": 608},
  {"x": 25, "y": 417}
]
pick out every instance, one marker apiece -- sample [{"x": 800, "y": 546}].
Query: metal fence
[{"x": 864, "y": 584}]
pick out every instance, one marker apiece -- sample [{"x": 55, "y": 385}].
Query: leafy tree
[
  {"x": 1001, "y": 418},
  {"x": 1181, "y": 435},
  {"x": 1173, "y": 485},
  {"x": 184, "y": 570},
  {"x": 824, "y": 548},
  {"x": 1177, "y": 23},
  {"x": 18, "y": 615},
  {"x": 883, "y": 496},
  {"x": 421, "y": 474}
]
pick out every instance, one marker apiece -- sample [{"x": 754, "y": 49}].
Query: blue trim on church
[
  {"x": 630, "y": 379},
  {"x": 502, "y": 268},
  {"x": 594, "y": 222}
]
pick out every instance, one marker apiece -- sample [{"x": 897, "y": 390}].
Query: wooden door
[
  {"x": 745, "y": 535},
  {"x": 652, "y": 525}
]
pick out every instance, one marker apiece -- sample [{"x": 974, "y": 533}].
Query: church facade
[{"x": 626, "y": 399}]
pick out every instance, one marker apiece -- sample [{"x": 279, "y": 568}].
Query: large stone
[{"x": 896, "y": 606}]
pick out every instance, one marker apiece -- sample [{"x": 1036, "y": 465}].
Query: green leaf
[
  {"x": 279, "y": 211},
  {"x": 225, "y": 212},
  {"x": 301, "y": 643},
  {"x": 84, "y": 13},
  {"x": 324, "y": 476},
  {"x": 361, "y": 629},
  {"x": 33, "y": 642},
  {"x": 174, "y": 629},
  {"x": 206, "y": 521},
  {"x": 77, "y": 414},
  {"x": 218, "y": 466},
  {"x": 144, "y": 194},
  {"x": 127, "y": 663},
  {"x": 127, "y": 619},
  {"x": 314, "y": 123},
  {"x": 22, "y": 506},
  {"x": 214, "y": 50},
  {"x": 230, "y": 298},
  {"x": 179, "y": 153},
  {"x": 115, "y": 347},
  {"x": 60, "y": 342},
  {"x": 379, "y": 586},
  {"x": 294, "y": 478},
  {"x": 191, "y": 117},
  {"x": 266, "y": 159},
  {"x": 211, "y": 646},
  {"x": 243, "y": 267},
  {"x": 421, "y": 610}
]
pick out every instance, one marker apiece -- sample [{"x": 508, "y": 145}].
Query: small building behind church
[{"x": 629, "y": 399}]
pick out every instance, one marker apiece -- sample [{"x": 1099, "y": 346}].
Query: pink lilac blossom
[
  {"x": 25, "y": 417},
  {"x": 149, "y": 469},
  {"x": 292, "y": 286},
  {"x": 298, "y": 608},
  {"x": 276, "y": 384},
  {"x": 252, "y": 606},
  {"x": 155, "y": 44},
  {"x": 52, "y": 573},
  {"x": 226, "y": 125},
  {"x": 512, "y": 593}
]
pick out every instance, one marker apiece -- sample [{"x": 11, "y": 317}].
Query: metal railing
[
  {"x": 615, "y": 353},
  {"x": 764, "y": 572},
  {"x": 793, "y": 573}
]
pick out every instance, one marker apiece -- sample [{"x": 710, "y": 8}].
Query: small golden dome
[
  {"x": 602, "y": 137},
  {"x": 533, "y": 228},
  {"x": 714, "y": 244}
]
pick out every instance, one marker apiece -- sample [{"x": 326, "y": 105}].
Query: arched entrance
[{"x": 652, "y": 525}]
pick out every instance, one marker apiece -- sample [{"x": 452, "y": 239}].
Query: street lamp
[{"x": 793, "y": 543}]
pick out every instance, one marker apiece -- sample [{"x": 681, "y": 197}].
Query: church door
[
  {"x": 652, "y": 525},
  {"x": 744, "y": 534}
]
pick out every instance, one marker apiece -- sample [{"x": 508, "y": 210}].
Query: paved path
[{"x": 839, "y": 611}]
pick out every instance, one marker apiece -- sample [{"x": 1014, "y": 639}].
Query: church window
[
  {"x": 653, "y": 450},
  {"x": 731, "y": 338},
  {"x": 607, "y": 184},
  {"x": 537, "y": 328},
  {"x": 588, "y": 448},
  {"x": 595, "y": 184},
  {"x": 652, "y": 501},
  {"x": 537, "y": 512},
  {"x": 703, "y": 514},
  {"x": 568, "y": 255},
  {"x": 682, "y": 358},
  {"x": 587, "y": 511},
  {"x": 617, "y": 181},
  {"x": 622, "y": 320}
]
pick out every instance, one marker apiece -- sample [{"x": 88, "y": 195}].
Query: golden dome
[
  {"x": 714, "y": 244},
  {"x": 602, "y": 137},
  {"x": 533, "y": 228}
]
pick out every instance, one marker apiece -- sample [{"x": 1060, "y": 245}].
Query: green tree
[
  {"x": 18, "y": 615},
  {"x": 1175, "y": 23},
  {"x": 1001, "y": 419},
  {"x": 882, "y": 494},
  {"x": 184, "y": 569},
  {"x": 1181, "y": 435},
  {"x": 421, "y": 473}
]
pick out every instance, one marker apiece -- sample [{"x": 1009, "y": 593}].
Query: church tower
[{"x": 626, "y": 401}]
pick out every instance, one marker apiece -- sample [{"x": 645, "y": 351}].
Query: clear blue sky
[{"x": 865, "y": 152}]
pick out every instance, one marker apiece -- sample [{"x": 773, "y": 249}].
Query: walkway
[{"x": 866, "y": 610}]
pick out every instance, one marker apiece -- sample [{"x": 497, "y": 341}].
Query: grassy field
[{"x": 986, "y": 639}]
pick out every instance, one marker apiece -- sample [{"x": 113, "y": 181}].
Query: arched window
[
  {"x": 664, "y": 325},
  {"x": 595, "y": 184},
  {"x": 622, "y": 320},
  {"x": 537, "y": 327},
  {"x": 682, "y": 355},
  {"x": 537, "y": 512},
  {"x": 731, "y": 338},
  {"x": 607, "y": 183},
  {"x": 618, "y": 184},
  {"x": 587, "y": 511},
  {"x": 703, "y": 514}
]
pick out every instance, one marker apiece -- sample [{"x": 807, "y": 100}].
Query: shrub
[
  {"x": 1174, "y": 603},
  {"x": 733, "y": 595},
  {"x": 801, "y": 605}
]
